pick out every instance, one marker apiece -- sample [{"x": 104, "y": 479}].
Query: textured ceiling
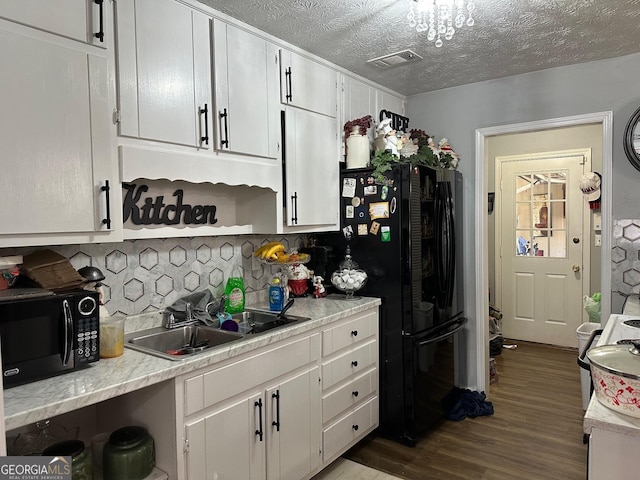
[{"x": 509, "y": 37}]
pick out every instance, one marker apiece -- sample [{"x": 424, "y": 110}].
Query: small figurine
[
  {"x": 319, "y": 290},
  {"x": 447, "y": 150}
]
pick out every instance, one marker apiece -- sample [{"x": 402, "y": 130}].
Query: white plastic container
[{"x": 584, "y": 332}]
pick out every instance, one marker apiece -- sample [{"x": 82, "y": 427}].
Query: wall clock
[{"x": 632, "y": 139}]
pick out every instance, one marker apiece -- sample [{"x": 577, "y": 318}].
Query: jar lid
[
  {"x": 68, "y": 448},
  {"x": 623, "y": 360},
  {"x": 128, "y": 436}
]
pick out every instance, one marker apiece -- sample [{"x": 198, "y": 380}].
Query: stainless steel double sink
[{"x": 183, "y": 342}]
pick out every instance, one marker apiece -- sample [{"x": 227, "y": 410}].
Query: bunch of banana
[{"x": 271, "y": 251}]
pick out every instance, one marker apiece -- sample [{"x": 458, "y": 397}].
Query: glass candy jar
[{"x": 349, "y": 277}]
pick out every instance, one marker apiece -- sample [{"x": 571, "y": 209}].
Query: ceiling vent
[{"x": 394, "y": 59}]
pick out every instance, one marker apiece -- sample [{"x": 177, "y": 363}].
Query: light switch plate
[
  {"x": 597, "y": 240},
  {"x": 597, "y": 221}
]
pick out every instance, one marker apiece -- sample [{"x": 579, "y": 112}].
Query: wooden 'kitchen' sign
[{"x": 154, "y": 211}]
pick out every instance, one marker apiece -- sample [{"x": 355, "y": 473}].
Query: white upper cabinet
[
  {"x": 58, "y": 151},
  {"x": 307, "y": 84},
  {"x": 359, "y": 99},
  {"x": 311, "y": 169},
  {"x": 164, "y": 72},
  {"x": 82, "y": 20},
  {"x": 246, "y": 92},
  {"x": 390, "y": 103}
]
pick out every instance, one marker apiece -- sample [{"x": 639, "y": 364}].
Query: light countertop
[{"x": 108, "y": 378}]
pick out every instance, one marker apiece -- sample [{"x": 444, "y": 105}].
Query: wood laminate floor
[{"x": 534, "y": 434}]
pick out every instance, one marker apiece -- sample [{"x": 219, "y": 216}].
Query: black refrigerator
[{"x": 406, "y": 234}]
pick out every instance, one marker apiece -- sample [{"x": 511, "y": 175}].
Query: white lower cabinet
[
  {"x": 349, "y": 382},
  {"x": 256, "y": 418}
]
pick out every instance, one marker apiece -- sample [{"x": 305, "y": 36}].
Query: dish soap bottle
[
  {"x": 235, "y": 292},
  {"x": 276, "y": 294}
]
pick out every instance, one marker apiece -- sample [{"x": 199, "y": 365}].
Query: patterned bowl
[{"x": 615, "y": 371}]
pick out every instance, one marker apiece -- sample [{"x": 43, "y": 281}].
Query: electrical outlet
[{"x": 597, "y": 240}]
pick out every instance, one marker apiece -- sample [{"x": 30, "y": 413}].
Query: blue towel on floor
[{"x": 460, "y": 403}]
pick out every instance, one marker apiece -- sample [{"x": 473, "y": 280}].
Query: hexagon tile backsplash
[
  {"x": 148, "y": 275},
  {"x": 625, "y": 257}
]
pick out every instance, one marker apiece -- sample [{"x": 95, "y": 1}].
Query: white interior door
[{"x": 541, "y": 234}]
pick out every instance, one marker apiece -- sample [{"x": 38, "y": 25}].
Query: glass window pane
[
  {"x": 523, "y": 215},
  {"x": 541, "y": 247}
]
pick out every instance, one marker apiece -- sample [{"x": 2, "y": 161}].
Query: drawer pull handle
[
  {"x": 355, "y": 393},
  {"x": 354, "y": 333},
  {"x": 354, "y": 363},
  {"x": 355, "y": 427}
]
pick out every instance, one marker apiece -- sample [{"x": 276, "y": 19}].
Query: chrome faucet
[{"x": 170, "y": 320}]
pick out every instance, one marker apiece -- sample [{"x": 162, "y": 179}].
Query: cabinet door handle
[
  {"x": 259, "y": 405},
  {"x": 276, "y": 422},
  {"x": 287, "y": 74},
  {"x": 106, "y": 189},
  {"x": 294, "y": 208},
  {"x": 100, "y": 34},
  {"x": 204, "y": 111},
  {"x": 354, "y": 363},
  {"x": 223, "y": 117},
  {"x": 355, "y": 393},
  {"x": 355, "y": 427},
  {"x": 354, "y": 333}
]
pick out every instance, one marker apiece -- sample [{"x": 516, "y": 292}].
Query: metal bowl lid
[{"x": 623, "y": 360}]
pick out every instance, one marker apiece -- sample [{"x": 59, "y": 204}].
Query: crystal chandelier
[{"x": 436, "y": 17}]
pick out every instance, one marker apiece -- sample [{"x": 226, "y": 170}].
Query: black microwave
[{"x": 42, "y": 335}]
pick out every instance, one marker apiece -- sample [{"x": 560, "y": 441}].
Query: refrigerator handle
[{"x": 460, "y": 324}]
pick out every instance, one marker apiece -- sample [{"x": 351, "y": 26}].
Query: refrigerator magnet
[
  {"x": 375, "y": 228},
  {"x": 385, "y": 233},
  {"x": 349, "y": 187},
  {"x": 370, "y": 190},
  {"x": 348, "y": 232},
  {"x": 348, "y": 213},
  {"x": 394, "y": 204},
  {"x": 379, "y": 210},
  {"x": 361, "y": 212},
  {"x": 362, "y": 229},
  {"x": 385, "y": 193}
]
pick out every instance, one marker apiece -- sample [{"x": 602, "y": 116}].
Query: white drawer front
[
  {"x": 362, "y": 326},
  {"x": 350, "y": 428},
  {"x": 349, "y": 363},
  {"x": 238, "y": 377},
  {"x": 349, "y": 395}
]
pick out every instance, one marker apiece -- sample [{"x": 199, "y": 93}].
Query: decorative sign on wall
[
  {"x": 157, "y": 211},
  {"x": 398, "y": 122}
]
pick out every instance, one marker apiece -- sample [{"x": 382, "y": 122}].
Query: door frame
[
  {"x": 585, "y": 268},
  {"x": 481, "y": 169}
]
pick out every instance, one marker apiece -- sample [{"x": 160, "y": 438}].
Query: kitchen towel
[
  {"x": 460, "y": 403},
  {"x": 201, "y": 303}
]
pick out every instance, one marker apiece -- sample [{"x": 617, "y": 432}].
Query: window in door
[{"x": 541, "y": 223}]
